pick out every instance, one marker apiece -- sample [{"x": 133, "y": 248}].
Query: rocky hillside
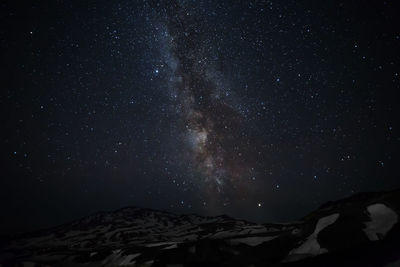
[{"x": 362, "y": 230}]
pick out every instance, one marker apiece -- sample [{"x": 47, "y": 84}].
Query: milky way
[{"x": 214, "y": 135}]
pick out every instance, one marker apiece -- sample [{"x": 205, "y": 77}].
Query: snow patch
[
  {"x": 160, "y": 244},
  {"x": 311, "y": 246},
  {"x": 295, "y": 231},
  {"x": 148, "y": 263},
  {"x": 251, "y": 241},
  {"x": 191, "y": 237},
  {"x": 171, "y": 247},
  {"x": 223, "y": 234},
  {"x": 254, "y": 230},
  {"x": 128, "y": 259},
  {"x": 382, "y": 220}
]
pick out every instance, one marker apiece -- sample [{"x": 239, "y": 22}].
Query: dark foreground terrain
[{"x": 361, "y": 230}]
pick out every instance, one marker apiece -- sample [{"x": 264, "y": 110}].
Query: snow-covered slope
[{"x": 338, "y": 232}]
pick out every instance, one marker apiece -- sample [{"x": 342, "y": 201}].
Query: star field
[{"x": 262, "y": 110}]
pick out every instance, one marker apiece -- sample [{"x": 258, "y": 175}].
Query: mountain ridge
[{"x": 134, "y": 236}]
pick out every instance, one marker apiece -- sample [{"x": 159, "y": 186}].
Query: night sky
[{"x": 262, "y": 110}]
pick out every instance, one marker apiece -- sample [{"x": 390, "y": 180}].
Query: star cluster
[{"x": 259, "y": 109}]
